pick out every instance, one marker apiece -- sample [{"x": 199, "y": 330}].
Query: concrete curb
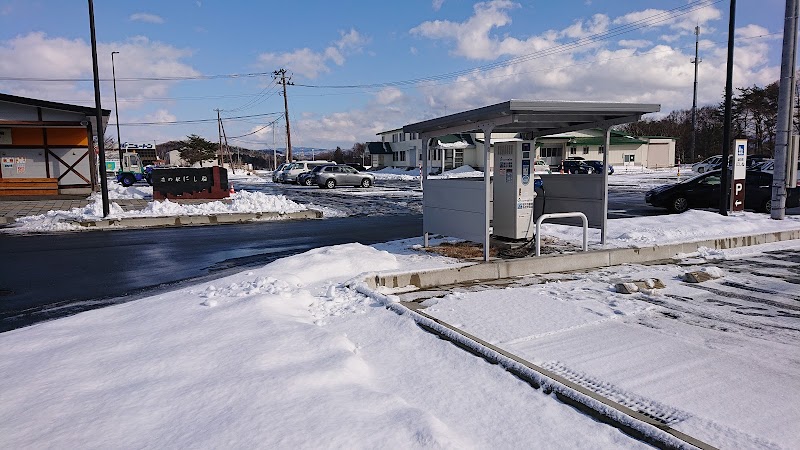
[
  {"x": 495, "y": 270},
  {"x": 214, "y": 219},
  {"x": 7, "y": 219}
]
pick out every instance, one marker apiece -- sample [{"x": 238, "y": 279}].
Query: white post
[
  {"x": 604, "y": 226},
  {"x": 487, "y": 148}
]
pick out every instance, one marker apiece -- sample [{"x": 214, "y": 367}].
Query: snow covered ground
[{"x": 288, "y": 356}]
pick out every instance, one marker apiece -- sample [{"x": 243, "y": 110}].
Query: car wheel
[
  {"x": 128, "y": 180},
  {"x": 701, "y": 170},
  {"x": 330, "y": 184},
  {"x": 767, "y": 208},
  {"x": 308, "y": 182},
  {"x": 679, "y": 204},
  {"x": 366, "y": 182}
]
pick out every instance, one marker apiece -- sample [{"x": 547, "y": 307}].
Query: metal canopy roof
[{"x": 537, "y": 117}]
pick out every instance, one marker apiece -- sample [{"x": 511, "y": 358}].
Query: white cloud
[
  {"x": 437, "y": 4},
  {"x": 413, "y": 50},
  {"x": 37, "y": 55},
  {"x": 634, "y": 43},
  {"x": 145, "y": 17},
  {"x": 597, "y": 24},
  {"x": 311, "y": 64},
  {"x": 474, "y": 39},
  {"x": 681, "y": 22},
  {"x": 388, "y": 96}
]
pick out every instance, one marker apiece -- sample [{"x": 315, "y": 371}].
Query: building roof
[
  {"x": 379, "y": 148},
  {"x": 539, "y": 118},
  {"x": 89, "y": 111}
]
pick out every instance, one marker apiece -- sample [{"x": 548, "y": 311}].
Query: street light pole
[{"x": 116, "y": 108}]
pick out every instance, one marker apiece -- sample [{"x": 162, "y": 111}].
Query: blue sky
[{"x": 409, "y": 60}]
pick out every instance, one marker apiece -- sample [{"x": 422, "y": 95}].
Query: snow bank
[{"x": 240, "y": 202}]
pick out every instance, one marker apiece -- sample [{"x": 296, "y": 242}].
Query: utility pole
[
  {"x": 696, "y": 61},
  {"x": 98, "y": 115},
  {"x": 220, "y": 157},
  {"x": 785, "y": 110},
  {"x": 284, "y": 82},
  {"x": 726, "y": 131}
]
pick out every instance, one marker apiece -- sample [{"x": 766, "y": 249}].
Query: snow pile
[
  {"x": 282, "y": 356},
  {"x": 464, "y": 171},
  {"x": 117, "y": 191},
  {"x": 693, "y": 225},
  {"x": 240, "y": 202},
  {"x": 390, "y": 173}
]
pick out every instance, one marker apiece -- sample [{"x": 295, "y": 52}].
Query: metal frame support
[
  {"x": 487, "y": 148},
  {"x": 543, "y": 217},
  {"x": 423, "y": 177},
  {"x": 604, "y": 225}
]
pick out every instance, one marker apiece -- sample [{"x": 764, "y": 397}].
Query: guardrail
[{"x": 544, "y": 217}]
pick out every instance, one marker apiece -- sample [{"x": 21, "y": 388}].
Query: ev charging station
[
  {"x": 513, "y": 190},
  {"x": 464, "y": 208}
]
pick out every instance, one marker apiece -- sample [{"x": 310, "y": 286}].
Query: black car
[
  {"x": 598, "y": 167},
  {"x": 703, "y": 191},
  {"x": 576, "y": 166}
]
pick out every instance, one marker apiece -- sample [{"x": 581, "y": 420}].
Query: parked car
[
  {"x": 290, "y": 172},
  {"x": 332, "y": 176},
  {"x": 539, "y": 166},
  {"x": 576, "y": 166},
  {"x": 598, "y": 167},
  {"x": 707, "y": 164},
  {"x": 357, "y": 166},
  {"x": 307, "y": 178},
  {"x": 277, "y": 173},
  {"x": 703, "y": 191},
  {"x": 769, "y": 167}
]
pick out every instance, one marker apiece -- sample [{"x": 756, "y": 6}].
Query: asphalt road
[{"x": 49, "y": 276}]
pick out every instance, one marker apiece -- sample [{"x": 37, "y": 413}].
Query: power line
[
  {"x": 256, "y": 131},
  {"x": 175, "y": 122},
  {"x": 175, "y": 78}
]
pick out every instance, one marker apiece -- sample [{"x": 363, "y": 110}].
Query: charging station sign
[{"x": 739, "y": 174}]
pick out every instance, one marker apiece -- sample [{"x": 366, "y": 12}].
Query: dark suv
[{"x": 576, "y": 166}]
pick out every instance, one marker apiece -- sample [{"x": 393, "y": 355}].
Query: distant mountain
[{"x": 299, "y": 152}]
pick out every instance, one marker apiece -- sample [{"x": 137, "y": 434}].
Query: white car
[
  {"x": 539, "y": 166},
  {"x": 707, "y": 164}
]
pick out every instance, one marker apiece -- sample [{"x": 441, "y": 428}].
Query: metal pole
[
  {"x": 116, "y": 108},
  {"x": 604, "y": 227},
  {"x": 785, "y": 110},
  {"x": 487, "y": 186},
  {"x": 99, "y": 114},
  {"x": 726, "y": 133},
  {"x": 696, "y": 62}
]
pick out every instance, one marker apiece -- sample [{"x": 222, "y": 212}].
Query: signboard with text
[{"x": 739, "y": 174}]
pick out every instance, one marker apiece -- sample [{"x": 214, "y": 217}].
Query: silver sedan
[{"x": 341, "y": 175}]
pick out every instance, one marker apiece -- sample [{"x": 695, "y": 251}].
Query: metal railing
[{"x": 544, "y": 217}]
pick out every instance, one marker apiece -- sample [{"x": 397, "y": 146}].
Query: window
[
  {"x": 402, "y": 156},
  {"x": 402, "y": 137},
  {"x": 601, "y": 149},
  {"x": 573, "y": 151},
  {"x": 628, "y": 158},
  {"x": 548, "y": 152},
  {"x": 585, "y": 150},
  {"x": 394, "y": 156}
]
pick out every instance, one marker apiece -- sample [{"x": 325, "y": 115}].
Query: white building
[{"x": 403, "y": 150}]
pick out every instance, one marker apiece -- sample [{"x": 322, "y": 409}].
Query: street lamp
[{"x": 116, "y": 108}]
